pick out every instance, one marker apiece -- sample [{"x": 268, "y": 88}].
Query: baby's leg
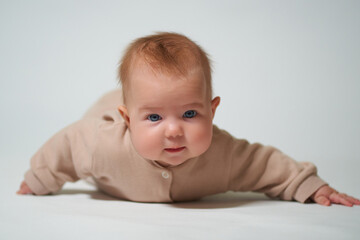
[{"x": 109, "y": 101}]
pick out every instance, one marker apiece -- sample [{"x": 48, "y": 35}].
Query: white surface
[
  {"x": 78, "y": 212},
  {"x": 288, "y": 74}
]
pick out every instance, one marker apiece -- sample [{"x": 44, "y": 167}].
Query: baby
[{"x": 154, "y": 140}]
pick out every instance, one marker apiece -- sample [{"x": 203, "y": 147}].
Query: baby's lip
[{"x": 175, "y": 149}]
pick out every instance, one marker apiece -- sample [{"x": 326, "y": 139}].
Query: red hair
[{"x": 165, "y": 52}]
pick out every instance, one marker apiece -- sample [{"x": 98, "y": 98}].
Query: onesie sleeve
[
  {"x": 265, "y": 169},
  {"x": 65, "y": 157}
]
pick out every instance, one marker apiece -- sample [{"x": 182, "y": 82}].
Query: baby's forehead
[
  {"x": 142, "y": 73},
  {"x": 147, "y": 88}
]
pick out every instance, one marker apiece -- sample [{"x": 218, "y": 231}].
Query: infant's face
[{"x": 170, "y": 119}]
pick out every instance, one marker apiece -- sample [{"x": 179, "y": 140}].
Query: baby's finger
[
  {"x": 24, "y": 189},
  {"x": 21, "y": 191},
  {"x": 352, "y": 200},
  {"x": 340, "y": 199},
  {"x": 322, "y": 200}
]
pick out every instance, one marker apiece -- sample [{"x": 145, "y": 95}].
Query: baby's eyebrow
[
  {"x": 194, "y": 105},
  {"x": 149, "y": 108},
  {"x": 153, "y": 108}
]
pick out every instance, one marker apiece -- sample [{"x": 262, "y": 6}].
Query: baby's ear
[
  {"x": 214, "y": 104},
  {"x": 124, "y": 113}
]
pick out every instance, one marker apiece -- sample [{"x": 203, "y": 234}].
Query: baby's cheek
[
  {"x": 145, "y": 143},
  {"x": 201, "y": 138}
]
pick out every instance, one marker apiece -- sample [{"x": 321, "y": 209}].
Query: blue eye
[
  {"x": 190, "y": 114},
  {"x": 154, "y": 117}
]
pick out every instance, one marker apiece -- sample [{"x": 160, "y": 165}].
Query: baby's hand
[
  {"x": 24, "y": 189},
  {"x": 327, "y": 195}
]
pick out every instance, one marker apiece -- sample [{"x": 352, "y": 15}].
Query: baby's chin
[
  {"x": 173, "y": 159},
  {"x": 171, "y": 163}
]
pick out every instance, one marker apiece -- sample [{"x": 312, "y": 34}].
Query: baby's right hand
[{"x": 24, "y": 189}]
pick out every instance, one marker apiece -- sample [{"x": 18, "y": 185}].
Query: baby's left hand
[{"x": 327, "y": 195}]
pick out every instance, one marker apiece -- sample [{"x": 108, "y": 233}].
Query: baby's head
[{"x": 166, "y": 81}]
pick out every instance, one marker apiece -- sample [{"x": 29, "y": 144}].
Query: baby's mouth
[{"x": 174, "y": 150}]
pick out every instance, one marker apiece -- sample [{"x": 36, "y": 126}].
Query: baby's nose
[{"x": 174, "y": 130}]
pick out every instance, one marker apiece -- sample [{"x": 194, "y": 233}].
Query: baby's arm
[
  {"x": 265, "y": 169},
  {"x": 326, "y": 195},
  {"x": 64, "y": 157}
]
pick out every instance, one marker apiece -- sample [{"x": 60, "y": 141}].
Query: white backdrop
[
  {"x": 287, "y": 71},
  {"x": 288, "y": 75}
]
